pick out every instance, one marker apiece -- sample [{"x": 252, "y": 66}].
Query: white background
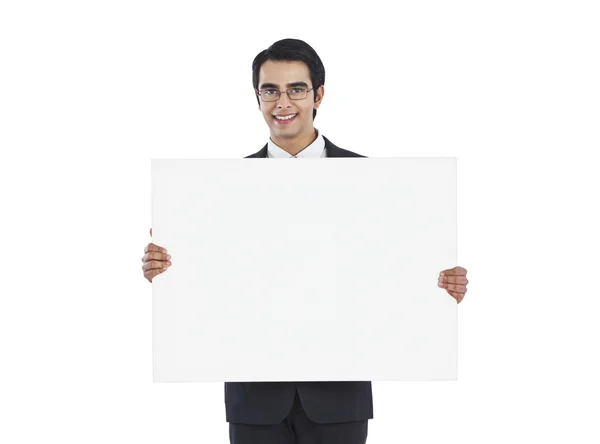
[{"x": 91, "y": 91}]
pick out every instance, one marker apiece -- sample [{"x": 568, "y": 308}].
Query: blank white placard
[{"x": 304, "y": 269}]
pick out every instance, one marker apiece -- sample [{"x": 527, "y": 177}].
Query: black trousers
[{"x": 297, "y": 428}]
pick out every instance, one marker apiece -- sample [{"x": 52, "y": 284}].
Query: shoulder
[
  {"x": 345, "y": 153},
  {"x": 260, "y": 153},
  {"x": 335, "y": 151}
]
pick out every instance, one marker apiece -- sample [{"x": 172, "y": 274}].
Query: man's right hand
[{"x": 156, "y": 260}]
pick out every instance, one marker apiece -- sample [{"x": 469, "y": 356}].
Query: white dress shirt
[{"x": 315, "y": 149}]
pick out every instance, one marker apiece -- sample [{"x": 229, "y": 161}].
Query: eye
[
  {"x": 297, "y": 90},
  {"x": 269, "y": 92}
]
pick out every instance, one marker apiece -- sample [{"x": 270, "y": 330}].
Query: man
[{"x": 288, "y": 80}]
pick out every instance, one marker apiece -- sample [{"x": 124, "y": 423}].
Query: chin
[{"x": 286, "y": 135}]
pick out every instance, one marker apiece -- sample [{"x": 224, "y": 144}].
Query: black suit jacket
[{"x": 324, "y": 402}]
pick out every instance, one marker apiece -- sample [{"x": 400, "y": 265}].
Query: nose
[{"x": 284, "y": 101}]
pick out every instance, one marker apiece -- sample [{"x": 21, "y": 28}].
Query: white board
[{"x": 304, "y": 269}]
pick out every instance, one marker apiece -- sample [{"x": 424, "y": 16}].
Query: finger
[
  {"x": 155, "y": 256},
  {"x": 151, "y": 265},
  {"x": 456, "y": 271},
  {"x": 457, "y": 288},
  {"x": 454, "y": 279},
  {"x": 458, "y": 296},
  {"x": 153, "y": 247},
  {"x": 150, "y": 274}
]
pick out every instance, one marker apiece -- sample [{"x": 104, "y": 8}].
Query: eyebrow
[{"x": 289, "y": 85}]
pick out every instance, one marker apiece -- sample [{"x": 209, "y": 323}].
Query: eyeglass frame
[{"x": 259, "y": 93}]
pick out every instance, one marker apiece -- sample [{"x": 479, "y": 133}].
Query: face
[{"x": 283, "y": 75}]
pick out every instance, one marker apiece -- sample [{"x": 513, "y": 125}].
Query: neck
[{"x": 297, "y": 144}]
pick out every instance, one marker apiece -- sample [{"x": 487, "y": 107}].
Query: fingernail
[{"x": 168, "y": 256}]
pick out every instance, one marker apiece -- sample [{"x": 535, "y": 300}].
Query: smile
[{"x": 285, "y": 119}]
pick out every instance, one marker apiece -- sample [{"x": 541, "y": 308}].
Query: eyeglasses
[{"x": 271, "y": 94}]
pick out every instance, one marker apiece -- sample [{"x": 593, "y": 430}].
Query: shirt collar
[{"x": 315, "y": 149}]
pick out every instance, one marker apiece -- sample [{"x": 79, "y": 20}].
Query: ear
[
  {"x": 320, "y": 92},
  {"x": 257, "y": 98}
]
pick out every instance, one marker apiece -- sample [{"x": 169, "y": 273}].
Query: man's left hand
[{"x": 455, "y": 282}]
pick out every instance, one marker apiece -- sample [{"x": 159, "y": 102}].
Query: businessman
[{"x": 288, "y": 80}]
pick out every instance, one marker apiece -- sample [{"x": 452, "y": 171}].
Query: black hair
[{"x": 291, "y": 50}]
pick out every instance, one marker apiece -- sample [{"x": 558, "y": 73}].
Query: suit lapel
[{"x": 332, "y": 150}]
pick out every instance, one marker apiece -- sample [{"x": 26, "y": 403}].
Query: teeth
[{"x": 286, "y": 117}]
